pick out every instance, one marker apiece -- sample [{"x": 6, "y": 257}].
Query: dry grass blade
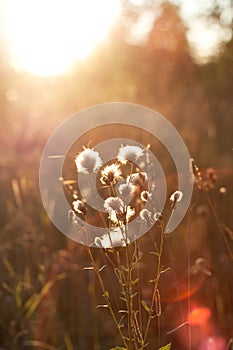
[{"x": 32, "y": 304}]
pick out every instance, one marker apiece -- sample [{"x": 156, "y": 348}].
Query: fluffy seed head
[
  {"x": 138, "y": 179},
  {"x": 145, "y": 215},
  {"x": 176, "y": 196},
  {"x": 123, "y": 216},
  {"x": 157, "y": 216},
  {"x": 126, "y": 191},
  {"x": 129, "y": 153},
  {"x": 80, "y": 207},
  {"x": 110, "y": 174},
  {"x": 113, "y": 239},
  {"x": 88, "y": 161},
  {"x": 113, "y": 204},
  {"x": 145, "y": 196}
]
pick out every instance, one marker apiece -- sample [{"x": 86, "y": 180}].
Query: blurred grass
[{"x": 46, "y": 299}]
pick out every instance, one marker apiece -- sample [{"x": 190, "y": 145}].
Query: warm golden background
[{"x": 58, "y": 57}]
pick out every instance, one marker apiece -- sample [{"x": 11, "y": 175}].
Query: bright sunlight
[{"x": 45, "y": 37}]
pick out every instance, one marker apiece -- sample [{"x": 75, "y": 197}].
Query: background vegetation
[{"x": 45, "y": 294}]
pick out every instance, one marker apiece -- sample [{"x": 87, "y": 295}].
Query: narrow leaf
[
  {"x": 68, "y": 342},
  {"x": 103, "y": 306},
  {"x": 166, "y": 347},
  {"x": 135, "y": 281},
  {"x": 102, "y": 268},
  {"x": 35, "y": 299},
  {"x": 146, "y": 307},
  {"x": 18, "y": 291},
  {"x": 8, "y": 266}
]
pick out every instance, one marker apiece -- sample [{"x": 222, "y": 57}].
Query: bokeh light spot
[{"x": 199, "y": 316}]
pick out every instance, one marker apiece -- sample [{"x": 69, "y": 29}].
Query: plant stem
[
  {"x": 219, "y": 224},
  {"x": 106, "y": 297},
  {"x": 155, "y": 290},
  {"x": 129, "y": 294}
]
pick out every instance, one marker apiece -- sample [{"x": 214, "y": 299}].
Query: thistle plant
[
  {"x": 206, "y": 182},
  {"x": 124, "y": 186}
]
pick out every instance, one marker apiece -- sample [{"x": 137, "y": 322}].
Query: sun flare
[{"x": 45, "y": 37}]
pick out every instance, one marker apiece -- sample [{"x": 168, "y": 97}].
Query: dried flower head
[
  {"x": 202, "y": 210},
  {"x": 122, "y": 216},
  {"x": 175, "y": 198},
  {"x": 209, "y": 180},
  {"x": 146, "y": 216},
  {"x": 196, "y": 174},
  {"x": 145, "y": 196},
  {"x": 80, "y": 207},
  {"x": 211, "y": 174},
  {"x": 88, "y": 161},
  {"x": 72, "y": 216},
  {"x": 113, "y": 239},
  {"x": 110, "y": 174},
  {"x": 138, "y": 179},
  {"x": 113, "y": 204},
  {"x": 129, "y": 153},
  {"x": 200, "y": 266},
  {"x": 157, "y": 216},
  {"x": 75, "y": 220},
  {"x": 126, "y": 191}
]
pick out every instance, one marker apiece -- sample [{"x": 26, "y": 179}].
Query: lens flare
[
  {"x": 213, "y": 343},
  {"x": 199, "y": 316}
]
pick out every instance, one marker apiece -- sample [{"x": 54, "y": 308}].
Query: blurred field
[{"x": 45, "y": 295}]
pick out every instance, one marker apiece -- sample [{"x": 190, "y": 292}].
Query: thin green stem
[
  {"x": 139, "y": 291},
  {"x": 106, "y": 297},
  {"x": 129, "y": 295},
  {"x": 155, "y": 289}
]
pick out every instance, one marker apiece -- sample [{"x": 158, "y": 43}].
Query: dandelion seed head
[
  {"x": 110, "y": 174},
  {"x": 129, "y": 153},
  {"x": 88, "y": 161},
  {"x": 113, "y": 204}
]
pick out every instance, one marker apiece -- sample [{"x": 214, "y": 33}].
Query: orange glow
[
  {"x": 46, "y": 37},
  {"x": 179, "y": 290},
  {"x": 199, "y": 316}
]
